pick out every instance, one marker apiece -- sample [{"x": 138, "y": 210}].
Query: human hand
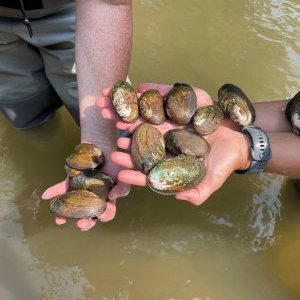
[{"x": 229, "y": 149}]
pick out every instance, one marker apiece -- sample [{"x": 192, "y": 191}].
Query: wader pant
[{"x": 37, "y": 75}]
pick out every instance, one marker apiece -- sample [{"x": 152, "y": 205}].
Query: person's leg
[{"x": 26, "y": 96}]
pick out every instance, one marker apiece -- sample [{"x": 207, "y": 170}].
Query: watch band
[{"x": 260, "y": 150}]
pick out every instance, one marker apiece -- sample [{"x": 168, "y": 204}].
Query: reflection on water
[{"x": 241, "y": 244}]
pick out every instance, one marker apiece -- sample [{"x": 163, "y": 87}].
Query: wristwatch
[{"x": 260, "y": 150}]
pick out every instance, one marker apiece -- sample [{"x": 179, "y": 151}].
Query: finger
[
  {"x": 129, "y": 126},
  {"x": 86, "y": 224},
  {"x": 162, "y": 88},
  {"x": 106, "y": 92},
  {"x": 132, "y": 177},
  {"x": 122, "y": 159},
  {"x": 60, "y": 220},
  {"x": 55, "y": 190},
  {"x": 104, "y": 102},
  {"x": 108, "y": 113},
  {"x": 109, "y": 212},
  {"x": 119, "y": 191},
  {"x": 124, "y": 143}
]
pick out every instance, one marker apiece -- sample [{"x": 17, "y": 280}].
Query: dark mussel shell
[
  {"x": 236, "y": 104},
  {"x": 71, "y": 172},
  {"x": 182, "y": 141},
  {"x": 125, "y": 101},
  {"x": 292, "y": 113},
  {"x": 78, "y": 204},
  {"x": 147, "y": 147},
  {"x": 176, "y": 174},
  {"x": 151, "y": 105},
  {"x": 86, "y": 156},
  {"x": 207, "y": 119},
  {"x": 94, "y": 181},
  {"x": 181, "y": 103}
]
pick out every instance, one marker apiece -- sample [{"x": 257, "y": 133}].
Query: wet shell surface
[
  {"x": 207, "y": 119},
  {"x": 78, "y": 204},
  {"x": 176, "y": 174},
  {"x": 125, "y": 101},
  {"x": 147, "y": 147},
  {"x": 94, "y": 181},
  {"x": 86, "y": 156},
  {"x": 292, "y": 113},
  {"x": 181, "y": 103},
  {"x": 71, "y": 172},
  {"x": 182, "y": 141},
  {"x": 152, "y": 107},
  {"x": 236, "y": 104}
]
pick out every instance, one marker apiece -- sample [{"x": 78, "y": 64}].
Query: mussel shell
[
  {"x": 182, "y": 141},
  {"x": 70, "y": 171},
  {"x": 94, "y": 181},
  {"x": 147, "y": 147},
  {"x": 151, "y": 106},
  {"x": 86, "y": 156},
  {"x": 181, "y": 103},
  {"x": 125, "y": 101},
  {"x": 78, "y": 204},
  {"x": 236, "y": 104},
  {"x": 176, "y": 174},
  {"x": 292, "y": 113},
  {"x": 207, "y": 119}
]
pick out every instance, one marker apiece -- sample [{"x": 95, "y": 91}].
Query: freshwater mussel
[
  {"x": 236, "y": 104},
  {"x": 151, "y": 106},
  {"x": 125, "y": 101},
  {"x": 207, "y": 119},
  {"x": 182, "y": 141},
  {"x": 147, "y": 147},
  {"x": 292, "y": 113},
  {"x": 181, "y": 103}
]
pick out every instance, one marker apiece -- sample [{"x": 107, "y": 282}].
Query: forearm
[{"x": 103, "y": 49}]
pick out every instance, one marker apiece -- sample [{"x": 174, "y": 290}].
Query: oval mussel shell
[
  {"x": 125, "y": 101},
  {"x": 236, "y": 104},
  {"x": 292, "y": 113},
  {"x": 85, "y": 156},
  {"x": 78, "y": 204},
  {"x": 147, "y": 147},
  {"x": 176, "y": 174},
  {"x": 182, "y": 141},
  {"x": 71, "y": 172},
  {"x": 94, "y": 181},
  {"x": 207, "y": 119},
  {"x": 151, "y": 106},
  {"x": 181, "y": 103}
]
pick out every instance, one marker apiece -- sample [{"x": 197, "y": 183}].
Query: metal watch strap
[{"x": 260, "y": 150}]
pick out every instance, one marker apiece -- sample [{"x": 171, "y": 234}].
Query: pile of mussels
[
  {"x": 151, "y": 151},
  {"x": 89, "y": 186}
]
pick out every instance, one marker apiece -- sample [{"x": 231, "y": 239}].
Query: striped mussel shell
[
  {"x": 147, "y": 147},
  {"x": 78, "y": 204},
  {"x": 151, "y": 106},
  {"x": 236, "y": 105},
  {"x": 181, "y": 103},
  {"x": 182, "y": 141},
  {"x": 176, "y": 174},
  {"x": 207, "y": 119},
  {"x": 125, "y": 101},
  {"x": 292, "y": 113}
]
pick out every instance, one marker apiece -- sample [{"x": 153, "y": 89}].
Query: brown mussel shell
[
  {"x": 151, "y": 106},
  {"x": 207, "y": 119},
  {"x": 71, "y": 172},
  {"x": 125, "y": 101},
  {"x": 176, "y": 174},
  {"x": 86, "y": 156},
  {"x": 147, "y": 147},
  {"x": 181, "y": 103},
  {"x": 78, "y": 204},
  {"x": 236, "y": 104},
  {"x": 94, "y": 181},
  {"x": 292, "y": 113},
  {"x": 182, "y": 141}
]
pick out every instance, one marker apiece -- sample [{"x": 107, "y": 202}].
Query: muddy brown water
[{"x": 243, "y": 243}]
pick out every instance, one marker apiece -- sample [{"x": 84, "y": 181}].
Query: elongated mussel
[
  {"x": 125, "y": 101},
  {"x": 147, "y": 147},
  {"x": 236, "y": 104},
  {"x": 292, "y": 113}
]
